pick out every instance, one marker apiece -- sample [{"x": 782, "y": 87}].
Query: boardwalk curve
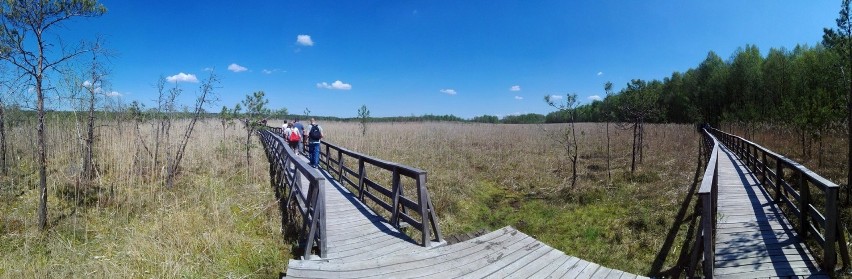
[{"x": 358, "y": 242}]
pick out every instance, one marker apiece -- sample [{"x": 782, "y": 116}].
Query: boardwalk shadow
[
  {"x": 684, "y": 215},
  {"x": 745, "y": 242}
]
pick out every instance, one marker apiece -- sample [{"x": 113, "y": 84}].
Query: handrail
[
  {"x": 759, "y": 159},
  {"x": 286, "y": 172},
  {"x": 393, "y": 200},
  {"x": 708, "y": 195}
]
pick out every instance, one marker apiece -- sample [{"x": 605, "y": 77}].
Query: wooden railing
[
  {"x": 394, "y": 200},
  {"x": 822, "y": 226},
  {"x": 286, "y": 173},
  {"x": 708, "y": 193}
]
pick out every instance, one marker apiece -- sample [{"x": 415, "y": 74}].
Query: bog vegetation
[{"x": 219, "y": 219}]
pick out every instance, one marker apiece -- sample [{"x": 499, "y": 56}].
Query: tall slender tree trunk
[
  {"x": 42, "y": 152},
  {"x": 633, "y": 158},
  {"x": 248, "y": 148},
  {"x": 574, "y": 156},
  {"x": 3, "y": 167},
  {"x": 641, "y": 141},
  {"x": 849, "y": 138},
  {"x": 88, "y": 164},
  {"x": 608, "y": 166}
]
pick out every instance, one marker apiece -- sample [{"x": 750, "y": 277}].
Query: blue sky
[{"x": 402, "y": 58}]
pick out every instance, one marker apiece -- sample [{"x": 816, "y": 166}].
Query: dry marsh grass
[
  {"x": 214, "y": 222},
  {"x": 218, "y": 222}
]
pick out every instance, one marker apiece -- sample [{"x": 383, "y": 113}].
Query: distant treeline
[{"x": 803, "y": 87}]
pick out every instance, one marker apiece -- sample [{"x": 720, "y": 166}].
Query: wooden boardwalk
[
  {"x": 753, "y": 238},
  {"x": 362, "y": 244}
]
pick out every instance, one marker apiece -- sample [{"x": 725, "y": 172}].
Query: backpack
[
  {"x": 294, "y": 135},
  {"x": 315, "y": 134}
]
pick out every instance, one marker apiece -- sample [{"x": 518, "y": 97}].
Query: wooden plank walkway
[
  {"x": 361, "y": 244},
  {"x": 753, "y": 238}
]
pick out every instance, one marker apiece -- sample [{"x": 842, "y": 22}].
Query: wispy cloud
[
  {"x": 181, "y": 77},
  {"x": 336, "y": 85},
  {"x": 208, "y": 69},
  {"x": 234, "y": 67},
  {"x": 448, "y": 91},
  {"x": 555, "y": 97},
  {"x": 519, "y": 98},
  {"x": 600, "y": 73},
  {"x": 268, "y": 71},
  {"x": 113, "y": 94},
  {"x": 515, "y": 88},
  {"x": 304, "y": 40},
  {"x": 594, "y": 98}
]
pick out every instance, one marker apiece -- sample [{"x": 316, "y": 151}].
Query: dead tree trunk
[
  {"x": 608, "y": 165},
  {"x": 3, "y": 167},
  {"x": 633, "y": 157},
  {"x": 88, "y": 164},
  {"x": 42, "y": 153},
  {"x": 248, "y": 147}
]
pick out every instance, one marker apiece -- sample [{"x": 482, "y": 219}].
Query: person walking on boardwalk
[
  {"x": 301, "y": 145},
  {"x": 315, "y": 135},
  {"x": 293, "y": 136}
]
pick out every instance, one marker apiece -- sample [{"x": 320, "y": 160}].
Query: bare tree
[
  {"x": 175, "y": 152},
  {"x": 568, "y": 137},
  {"x": 635, "y": 105},
  {"x": 28, "y": 17},
  {"x": 607, "y": 111}
]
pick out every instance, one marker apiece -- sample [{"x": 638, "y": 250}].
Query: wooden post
[
  {"x": 395, "y": 199},
  {"x": 340, "y": 167},
  {"x": 310, "y": 213},
  {"x": 323, "y": 237},
  {"x": 362, "y": 172},
  {"x": 804, "y": 205},
  {"x": 779, "y": 178},
  {"x": 765, "y": 169},
  {"x": 707, "y": 226},
  {"x": 426, "y": 235},
  {"x": 831, "y": 231}
]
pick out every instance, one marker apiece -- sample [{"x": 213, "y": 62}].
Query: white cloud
[
  {"x": 87, "y": 84},
  {"x": 236, "y": 68},
  {"x": 519, "y": 98},
  {"x": 304, "y": 40},
  {"x": 555, "y": 97},
  {"x": 515, "y": 88},
  {"x": 208, "y": 69},
  {"x": 337, "y": 84},
  {"x": 448, "y": 91},
  {"x": 600, "y": 73},
  {"x": 268, "y": 71},
  {"x": 113, "y": 94},
  {"x": 181, "y": 77},
  {"x": 594, "y": 98}
]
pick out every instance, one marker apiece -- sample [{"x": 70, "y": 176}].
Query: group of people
[{"x": 297, "y": 136}]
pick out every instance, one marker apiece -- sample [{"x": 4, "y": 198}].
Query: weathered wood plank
[
  {"x": 553, "y": 257},
  {"x": 510, "y": 263},
  {"x": 552, "y": 260}
]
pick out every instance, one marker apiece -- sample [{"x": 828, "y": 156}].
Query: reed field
[{"x": 220, "y": 220}]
